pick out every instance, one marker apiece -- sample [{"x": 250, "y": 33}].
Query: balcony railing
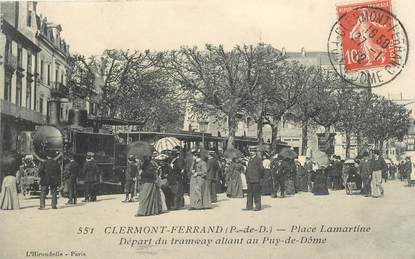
[
  {"x": 59, "y": 90},
  {"x": 14, "y": 110}
]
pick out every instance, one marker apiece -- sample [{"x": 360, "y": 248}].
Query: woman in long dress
[
  {"x": 320, "y": 183},
  {"x": 199, "y": 191},
  {"x": 234, "y": 180},
  {"x": 301, "y": 178},
  {"x": 150, "y": 202},
  {"x": 8, "y": 196}
]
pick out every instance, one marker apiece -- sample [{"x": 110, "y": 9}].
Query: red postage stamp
[
  {"x": 367, "y": 36},
  {"x": 368, "y": 45}
]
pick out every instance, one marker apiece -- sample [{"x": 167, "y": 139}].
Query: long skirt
[
  {"x": 199, "y": 193},
  {"x": 320, "y": 186},
  {"x": 289, "y": 187},
  {"x": 8, "y": 196},
  {"x": 304, "y": 183},
  {"x": 150, "y": 202},
  {"x": 376, "y": 184},
  {"x": 235, "y": 188},
  {"x": 163, "y": 201}
]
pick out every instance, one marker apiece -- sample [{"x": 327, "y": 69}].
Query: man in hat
[
  {"x": 91, "y": 172},
  {"x": 131, "y": 174},
  {"x": 178, "y": 179},
  {"x": 254, "y": 173},
  {"x": 213, "y": 169},
  {"x": 378, "y": 166},
  {"x": 49, "y": 172},
  {"x": 71, "y": 173}
]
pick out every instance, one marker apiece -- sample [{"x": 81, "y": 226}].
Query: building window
[
  {"x": 8, "y": 48},
  {"x": 62, "y": 78},
  {"x": 29, "y": 62},
  {"x": 91, "y": 108},
  {"x": 29, "y": 18},
  {"x": 8, "y": 87},
  {"x": 41, "y": 70},
  {"x": 56, "y": 77},
  {"x": 35, "y": 96},
  {"x": 48, "y": 74},
  {"x": 29, "y": 93},
  {"x": 41, "y": 105},
  {"x": 19, "y": 56},
  {"x": 19, "y": 91},
  {"x": 61, "y": 113}
]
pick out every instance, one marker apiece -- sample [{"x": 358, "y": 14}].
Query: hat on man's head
[
  {"x": 376, "y": 152},
  {"x": 90, "y": 155}
]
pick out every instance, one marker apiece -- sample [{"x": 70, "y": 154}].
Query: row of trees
[{"x": 255, "y": 81}]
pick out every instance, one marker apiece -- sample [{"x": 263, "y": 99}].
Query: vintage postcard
[{"x": 207, "y": 129}]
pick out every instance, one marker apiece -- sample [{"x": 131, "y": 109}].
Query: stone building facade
[{"x": 33, "y": 65}]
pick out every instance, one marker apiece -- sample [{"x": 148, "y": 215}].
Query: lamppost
[{"x": 203, "y": 126}]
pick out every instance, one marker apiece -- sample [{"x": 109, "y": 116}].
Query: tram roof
[
  {"x": 115, "y": 121},
  {"x": 185, "y": 135}
]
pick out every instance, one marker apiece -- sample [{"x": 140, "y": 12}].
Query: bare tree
[{"x": 218, "y": 83}]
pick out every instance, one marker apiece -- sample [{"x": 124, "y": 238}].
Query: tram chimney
[
  {"x": 54, "y": 112},
  {"x": 78, "y": 118}
]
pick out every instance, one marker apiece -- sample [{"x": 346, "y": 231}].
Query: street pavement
[{"x": 66, "y": 232}]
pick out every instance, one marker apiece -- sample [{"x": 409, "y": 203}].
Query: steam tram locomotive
[{"x": 77, "y": 139}]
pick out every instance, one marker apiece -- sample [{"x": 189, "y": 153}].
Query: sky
[{"x": 92, "y": 26}]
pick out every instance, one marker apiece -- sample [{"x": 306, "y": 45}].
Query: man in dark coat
[
  {"x": 131, "y": 174},
  {"x": 188, "y": 160},
  {"x": 91, "y": 173},
  {"x": 254, "y": 173},
  {"x": 408, "y": 170},
  {"x": 281, "y": 168},
  {"x": 71, "y": 175},
  {"x": 401, "y": 170},
  {"x": 178, "y": 180},
  {"x": 275, "y": 168},
  {"x": 212, "y": 177},
  {"x": 49, "y": 172}
]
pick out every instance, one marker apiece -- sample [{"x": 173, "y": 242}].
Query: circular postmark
[{"x": 368, "y": 46}]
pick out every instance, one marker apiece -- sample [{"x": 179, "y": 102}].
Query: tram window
[{"x": 99, "y": 144}]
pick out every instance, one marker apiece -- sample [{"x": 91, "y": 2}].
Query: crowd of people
[{"x": 159, "y": 182}]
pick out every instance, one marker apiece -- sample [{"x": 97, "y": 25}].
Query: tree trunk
[
  {"x": 376, "y": 143},
  {"x": 232, "y": 125},
  {"x": 348, "y": 143},
  {"x": 304, "y": 142},
  {"x": 328, "y": 139},
  {"x": 274, "y": 133},
  {"x": 359, "y": 143},
  {"x": 260, "y": 134},
  {"x": 381, "y": 146}
]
